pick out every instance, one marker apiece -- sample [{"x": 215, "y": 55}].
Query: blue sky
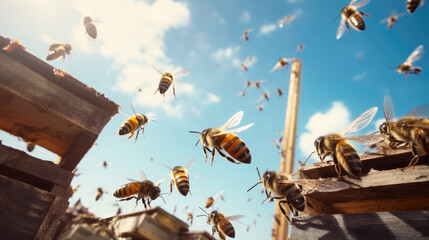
[{"x": 336, "y": 87}]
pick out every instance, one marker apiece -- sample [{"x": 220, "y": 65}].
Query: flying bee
[
  {"x": 277, "y": 142},
  {"x": 57, "y": 50},
  {"x": 13, "y": 45},
  {"x": 210, "y": 200},
  {"x": 245, "y": 35},
  {"x": 190, "y": 217},
  {"x": 265, "y": 95},
  {"x": 407, "y": 67},
  {"x": 286, "y": 19},
  {"x": 412, "y": 129},
  {"x": 99, "y": 193},
  {"x": 180, "y": 178},
  {"x": 73, "y": 189},
  {"x": 271, "y": 182},
  {"x": 392, "y": 19},
  {"x": 260, "y": 107},
  {"x": 242, "y": 93},
  {"x": 167, "y": 80},
  {"x": 144, "y": 189},
  {"x": 300, "y": 48},
  {"x": 342, "y": 152},
  {"x": 30, "y": 146},
  {"x": 104, "y": 164},
  {"x": 279, "y": 92},
  {"x": 133, "y": 123},
  {"x": 351, "y": 15},
  {"x": 412, "y": 5},
  {"x": 221, "y": 223},
  {"x": 243, "y": 67},
  {"x": 90, "y": 28},
  {"x": 220, "y": 140},
  {"x": 282, "y": 63}
]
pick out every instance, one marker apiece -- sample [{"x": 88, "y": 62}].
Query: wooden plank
[
  {"x": 395, "y": 159},
  {"x": 41, "y": 169},
  {"x": 197, "y": 235},
  {"x": 169, "y": 221},
  {"x": 63, "y": 109},
  {"x": 22, "y": 209},
  {"x": 384, "y": 225},
  {"x": 79, "y": 148},
  {"x": 52, "y": 219},
  {"x": 82, "y": 232},
  {"x": 389, "y": 190}
]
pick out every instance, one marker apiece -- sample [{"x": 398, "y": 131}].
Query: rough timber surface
[{"x": 384, "y": 225}]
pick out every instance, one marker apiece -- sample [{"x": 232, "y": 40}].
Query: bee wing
[
  {"x": 400, "y": 15},
  {"x": 420, "y": 111},
  {"x": 160, "y": 181},
  {"x": 233, "y": 121},
  {"x": 183, "y": 72},
  {"x": 361, "y": 3},
  {"x": 132, "y": 180},
  {"x": 143, "y": 175},
  {"x": 362, "y": 121},
  {"x": 366, "y": 139},
  {"x": 189, "y": 163},
  {"x": 341, "y": 28},
  {"x": 235, "y": 217},
  {"x": 218, "y": 195},
  {"x": 388, "y": 110},
  {"x": 415, "y": 55},
  {"x": 157, "y": 69},
  {"x": 275, "y": 67},
  {"x": 384, "y": 20},
  {"x": 237, "y": 130},
  {"x": 132, "y": 108},
  {"x": 165, "y": 165}
]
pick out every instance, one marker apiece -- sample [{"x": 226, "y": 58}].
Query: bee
[
  {"x": 144, "y": 189},
  {"x": 220, "y": 140},
  {"x": 243, "y": 67},
  {"x": 57, "y": 50},
  {"x": 99, "y": 193},
  {"x": 286, "y": 19},
  {"x": 190, "y": 217},
  {"x": 13, "y": 45},
  {"x": 271, "y": 183},
  {"x": 412, "y": 5},
  {"x": 90, "y": 28},
  {"x": 221, "y": 223},
  {"x": 210, "y": 200},
  {"x": 260, "y": 107},
  {"x": 300, "y": 48},
  {"x": 411, "y": 129},
  {"x": 30, "y": 146},
  {"x": 407, "y": 67},
  {"x": 242, "y": 93},
  {"x": 180, "y": 178},
  {"x": 119, "y": 210},
  {"x": 73, "y": 189},
  {"x": 265, "y": 95},
  {"x": 279, "y": 92},
  {"x": 282, "y": 63},
  {"x": 245, "y": 35},
  {"x": 351, "y": 15},
  {"x": 133, "y": 123},
  {"x": 342, "y": 152},
  {"x": 104, "y": 164},
  {"x": 167, "y": 80},
  {"x": 277, "y": 142},
  {"x": 392, "y": 19}
]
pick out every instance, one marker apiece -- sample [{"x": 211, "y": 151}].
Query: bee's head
[
  {"x": 68, "y": 48},
  {"x": 155, "y": 193},
  {"x": 319, "y": 144}
]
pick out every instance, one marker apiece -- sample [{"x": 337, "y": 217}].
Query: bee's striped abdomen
[
  {"x": 235, "y": 147},
  {"x": 127, "y": 190},
  {"x": 412, "y": 5},
  {"x": 295, "y": 197},
  {"x": 182, "y": 184},
  {"x": 209, "y": 202},
  {"x": 357, "y": 21},
  {"x": 226, "y": 227},
  {"x": 165, "y": 83},
  {"x": 128, "y": 126},
  {"x": 348, "y": 158}
]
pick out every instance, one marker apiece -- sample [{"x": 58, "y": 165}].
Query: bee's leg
[
  {"x": 171, "y": 186},
  {"x": 205, "y": 152},
  {"x": 213, "y": 153},
  {"x": 364, "y": 14},
  {"x": 131, "y": 134},
  {"x": 156, "y": 91},
  {"x": 227, "y": 157},
  {"x": 163, "y": 97},
  {"x": 144, "y": 203},
  {"x": 283, "y": 211},
  {"x": 416, "y": 153},
  {"x": 127, "y": 199},
  {"x": 338, "y": 170},
  {"x": 137, "y": 135},
  {"x": 148, "y": 202},
  {"x": 268, "y": 196},
  {"x": 347, "y": 25},
  {"x": 213, "y": 230},
  {"x": 174, "y": 91},
  {"x": 406, "y": 74}
]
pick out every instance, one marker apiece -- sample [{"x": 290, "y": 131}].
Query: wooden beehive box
[{"x": 58, "y": 113}]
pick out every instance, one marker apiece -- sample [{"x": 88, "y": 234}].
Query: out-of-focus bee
[
  {"x": 104, "y": 164},
  {"x": 351, "y": 15},
  {"x": 190, "y": 217},
  {"x": 265, "y": 95},
  {"x": 277, "y": 142},
  {"x": 57, "y": 50},
  {"x": 286, "y": 19},
  {"x": 412, "y": 5},
  {"x": 99, "y": 193},
  {"x": 279, "y": 92},
  {"x": 73, "y": 189},
  {"x": 119, "y": 210},
  {"x": 300, "y": 48},
  {"x": 245, "y": 35},
  {"x": 282, "y": 63},
  {"x": 260, "y": 107},
  {"x": 412, "y": 129},
  {"x": 174, "y": 209},
  {"x": 133, "y": 123},
  {"x": 221, "y": 139},
  {"x": 407, "y": 67},
  {"x": 13, "y": 45},
  {"x": 180, "y": 177},
  {"x": 144, "y": 189},
  {"x": 210, "y": 200},
  {"x": 30, "y": 146},
  {"x": 75, "y": 173},
  {"x": 167, "y": 80},
  {"x": 243, "y": 67},
  {"x": 221, "y": 223},
  {"x": 271, "y": 184},
  {"x": 342, "y": 152},
  {"x": 90, "y": 28},
  {"x": 242, "y": 93},
  {"x": 392, "y": 19}
]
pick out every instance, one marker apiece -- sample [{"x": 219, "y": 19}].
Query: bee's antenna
[
  {"x": 198, "y": 139},
  {"x": 203, "y": 211},
  {"x": 253, "y": 186},
  {"x": 309, "y": 156},
  {"x": 162, "y": 197},
  {"x": 335, "y": 19}
]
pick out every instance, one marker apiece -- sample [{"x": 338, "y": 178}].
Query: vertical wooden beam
[{"x": 280, "y": 229}]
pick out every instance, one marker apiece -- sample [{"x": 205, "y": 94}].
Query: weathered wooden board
[
  {"x": 42, "y": 174},
  {"x": 52, "y": 219},
  {"x": 384, "y": 225},
  {"x": 376, "y": 191},
  {"x": 22, "y": 209},
  {"x": 198, "y": 235},
  {"x": 169, "y": 221},
  {"x": 82, "y": 232}
]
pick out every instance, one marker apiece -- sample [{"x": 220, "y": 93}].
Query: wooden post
[{"x": 280, "y": 229}]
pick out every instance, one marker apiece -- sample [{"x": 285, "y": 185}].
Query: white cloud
[
  {"x": 211, "y": 98},
  {"x": 218, "y": 17},
  {"x": 245, "y": 17},
  {"x": 359, "y": 77},
  {"x": 335, "y": 120},
  {"x": 227, "y": 55},
  {"x": 267, "y": 29}
]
